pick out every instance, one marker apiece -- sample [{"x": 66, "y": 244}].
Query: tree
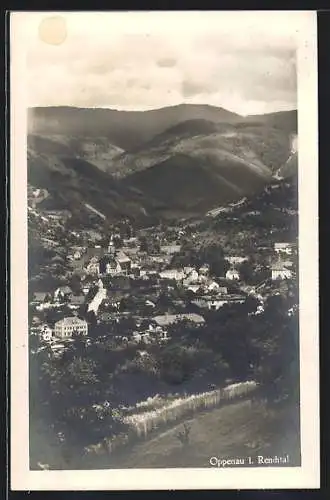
[
  {"x": 246, "y": 271},
  {"x": 144, "y": 247},
  {"x": 278, "y": 352}
]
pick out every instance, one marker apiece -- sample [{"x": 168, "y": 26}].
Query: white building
[
  {"x": 232, "y": 274},
  {"x": 283, "y": 248},
  {"x": 236, "y": 259},
  {"x": 191, "y": 277},
  {"x": 210, "y": 303},
  {"x": 66, "y": 327},
  {"x": 170, "y": 249},
  {"x": 93, "y": 267},
  {"x": 169, "y": 319},
  {"x": 280, "y": 272},
  {"x": 172, "y": 274},
  {"x": 124, "y": 262},
  {"x": 214, "y": 286}
]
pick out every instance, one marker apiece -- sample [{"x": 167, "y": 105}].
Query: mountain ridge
[{"x": 126, "y": 129}]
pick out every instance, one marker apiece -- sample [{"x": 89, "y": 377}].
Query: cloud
[
  {"x": 166, "y": 62},
  {"x": 235, "y": 64}
]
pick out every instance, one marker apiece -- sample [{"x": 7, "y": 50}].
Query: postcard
[{"x": 164, "y": 250}]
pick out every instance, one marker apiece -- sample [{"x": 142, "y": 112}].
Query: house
[
  {"x": 96, "y": 251},
  {"x": 232, "y": 274},
  {"x": 35, "y": 321},
  {"x": 114, "y": 264},
  {"x": 141, "y": 337},
  {"x": 92, "y": 235},
  {"x": 124, "y": 262},
  {"x": 193, "y": 288},
  {"x": 66, "y": 327},
  {"x": 188, "y": 269},
  {"x": 131, "y": 242},
  {"x": 170, "y": 319},
  {"x": 57, "y": 215},
  {"x": 170, "y": 249},
  {"x": 204, "y": 269},
  {"x": 40, "y": 297},
  {"x": 211, "y": 303},
  {"x": 77, "y": 300},
  {"x": 236, "y": 259},
  {"x": 105, "y": 317},
  {"x": 191, "y": 277},
  {"x": 280, "y": 271},
  {"x": 286, "y": 248},
  {"x": 213, "y": 286},
  {"x": 77, "y": 255},
  {"x": 93, "y": 267},
  {"x": 63, "y": 292},
  {"x": 108, "y": 265},
  {"x": 133, "y": 251},
  {"x": 172, "y": 274},
  {"x": 86, "y": 284},
  {"x": 45, "y": 333}
]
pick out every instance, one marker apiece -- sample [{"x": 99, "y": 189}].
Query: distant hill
[
  {"x": 125, "y": 129},
  {"x": 197, "y": 182},
  {"x": 179, "y": 160},
  {"x": 264, "y": 146},
  {"x": 96, "y": 150},
  {"x": 284, "y": 120},
  {"x": 72, "y": 183}
]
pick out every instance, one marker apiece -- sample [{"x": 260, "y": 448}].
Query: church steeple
[{"x": 111, "y": 247}]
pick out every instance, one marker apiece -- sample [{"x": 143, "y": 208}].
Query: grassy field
[{"x": 239, "y": 430}]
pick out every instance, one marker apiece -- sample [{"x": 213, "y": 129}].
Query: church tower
[{"x": 111, "y": 247}]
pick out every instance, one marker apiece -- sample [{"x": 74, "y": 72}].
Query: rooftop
[
  {"x": 71, "y": 321},
  {"x": 168, "y": 319},
  {"x": 280, "y": 266}
]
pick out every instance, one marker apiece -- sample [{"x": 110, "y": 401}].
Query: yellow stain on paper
[{"x": 53, "y": 30}]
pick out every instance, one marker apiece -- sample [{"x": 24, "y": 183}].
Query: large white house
[
  {"x": 280, "y": 271},
  {"x": 66, "y": 327}
]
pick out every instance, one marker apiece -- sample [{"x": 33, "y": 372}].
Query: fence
[{"x": 142, "y": 424}]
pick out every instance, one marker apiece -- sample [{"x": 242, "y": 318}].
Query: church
[{"x": 115, "y": 261}]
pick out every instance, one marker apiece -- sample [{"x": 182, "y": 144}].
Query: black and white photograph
[{"x": 164, "y": 189}]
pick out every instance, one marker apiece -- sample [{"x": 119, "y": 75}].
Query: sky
[{"x": 242, "y": 61}]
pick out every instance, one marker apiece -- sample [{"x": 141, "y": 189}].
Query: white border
[{"x": 306, "y": 476}]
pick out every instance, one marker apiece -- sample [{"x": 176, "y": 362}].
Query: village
[{"x": 134, "y": 285}]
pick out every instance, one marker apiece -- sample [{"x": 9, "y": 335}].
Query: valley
[
  {"x": 163, "y": 295},
  {"x": 222, "y": 154}
]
